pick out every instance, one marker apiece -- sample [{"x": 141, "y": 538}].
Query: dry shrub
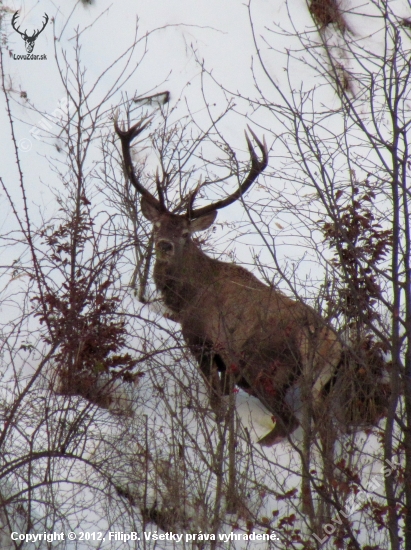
[{"x": 359, "y": 392}]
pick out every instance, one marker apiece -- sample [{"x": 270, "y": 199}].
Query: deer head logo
[{"x": 29, "y": 41}]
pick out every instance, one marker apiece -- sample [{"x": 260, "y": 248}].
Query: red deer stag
[{"x": 240, "y": 330}]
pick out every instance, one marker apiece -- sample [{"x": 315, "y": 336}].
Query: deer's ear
[
  {"x": 200, "y": 224},
  {"x": 149, "y": 211}
]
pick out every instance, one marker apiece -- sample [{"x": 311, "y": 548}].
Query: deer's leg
[
  {"x": 320, "y": 354},
  {"x": 214, "y": 372},
  {"x": 209, "y": 370},
  {"x": 272, "y": 396},
  {"x": 285, "y": 424},
  {"x": 268, "y": 375},
  {"x": 225, "y": 381}
]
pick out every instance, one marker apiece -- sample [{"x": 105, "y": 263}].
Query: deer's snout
[{"x": 165, "y": 247}]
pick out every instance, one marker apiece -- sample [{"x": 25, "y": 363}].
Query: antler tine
[
  {"x": 262, "y": 146},
  {"x": 13, "y": 22},
  {"x": 160, "y": 191},
  {"x": 37, "y": 32},
  {"x": 191, "y": 199},
  {"x": 134, "y": 130},
  {"x": 126, "y": 137},
  {"x": 257, "y": 166}
]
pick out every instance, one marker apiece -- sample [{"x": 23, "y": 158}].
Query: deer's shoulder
[{"x": 233, "y": 274}]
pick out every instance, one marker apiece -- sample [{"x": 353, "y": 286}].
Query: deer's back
[{"x": 233, "y": 309}]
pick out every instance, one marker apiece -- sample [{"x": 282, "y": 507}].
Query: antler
[
  {"x": 36, "y": 33},
  {"x": 24, "y": 34},
  {"x": 126, "y": 137},
  {"x": 257, "y": 166},
  {"x": 13, "y": 22}
]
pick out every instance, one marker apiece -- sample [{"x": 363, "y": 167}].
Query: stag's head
[{"x": 172, "y": 232}]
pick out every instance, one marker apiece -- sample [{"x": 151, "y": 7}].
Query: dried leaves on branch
[{"x": 81, "y": 310}]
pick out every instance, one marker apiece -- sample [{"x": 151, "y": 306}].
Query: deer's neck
[{"x": 183, "y": 279}]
